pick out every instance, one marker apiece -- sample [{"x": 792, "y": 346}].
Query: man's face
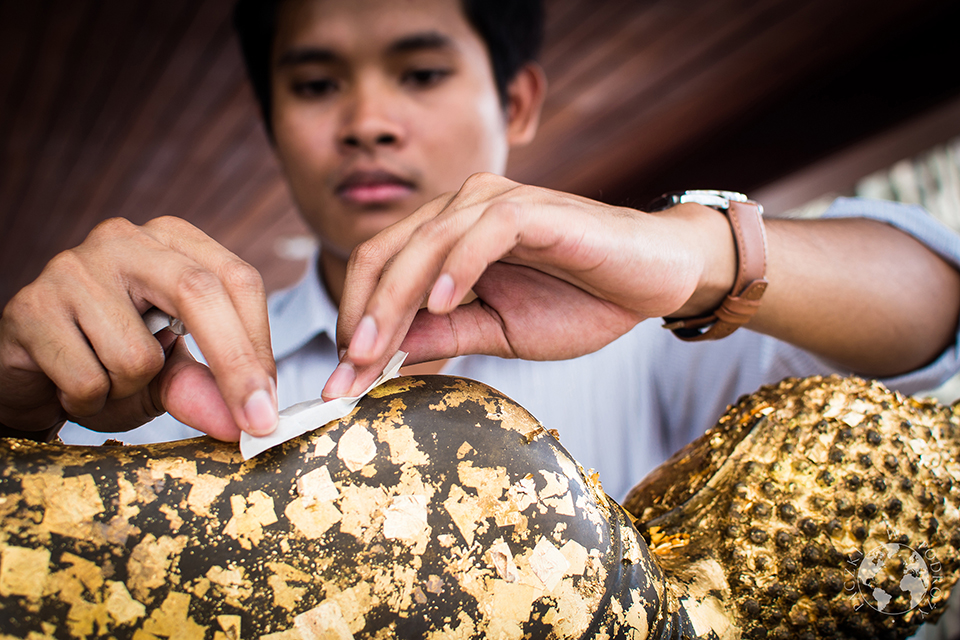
[{"x": 378, "y": 107}]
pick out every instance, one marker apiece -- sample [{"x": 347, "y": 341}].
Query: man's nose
[{"x": 371, "y": 119}]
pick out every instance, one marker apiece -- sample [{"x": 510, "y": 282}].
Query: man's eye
[
  {"x": 314, "y": 88},
  {"x": 425, "y": 77}
]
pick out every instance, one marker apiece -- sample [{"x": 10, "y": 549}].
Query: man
[{"x": 378, "y": 109}]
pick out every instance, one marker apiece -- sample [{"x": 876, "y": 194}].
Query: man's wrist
[
  {"x": 711, "y": 233},
  {"x": 741, "y": 303}
]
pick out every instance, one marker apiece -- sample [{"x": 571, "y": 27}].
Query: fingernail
[
  {"x": 261, "y": 413},
  {"x": 442, "y": 294},
  {"x": 339, "y": 383},
  {"x": 364, "y": 338}
]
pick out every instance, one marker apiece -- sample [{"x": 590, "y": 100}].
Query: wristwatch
[{"x": 746, "y": 221}]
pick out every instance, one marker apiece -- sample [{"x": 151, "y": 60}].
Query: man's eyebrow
[
  {"x": 428, "y": 40},
  {"x": 306, "y": 55},
  {"x": 421, "y": 41}
]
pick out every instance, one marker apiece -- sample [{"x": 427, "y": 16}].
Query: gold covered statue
[{"x": 820, "y": 508}]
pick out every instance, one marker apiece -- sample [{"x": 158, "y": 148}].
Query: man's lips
[{"x": 374, "y": 187}]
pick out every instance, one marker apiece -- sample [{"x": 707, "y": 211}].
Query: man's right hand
[{"x": 73, "y": 344}]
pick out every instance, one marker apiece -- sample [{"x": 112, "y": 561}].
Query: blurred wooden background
[{"x": 141, "y": 108}]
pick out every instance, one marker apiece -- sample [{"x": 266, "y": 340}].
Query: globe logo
[{"x": 893, "y": 578}]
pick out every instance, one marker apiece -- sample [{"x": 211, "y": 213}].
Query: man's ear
[{"x": 525, "y": 95}]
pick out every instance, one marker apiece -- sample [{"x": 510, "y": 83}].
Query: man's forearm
[{"x": 859, "y": 292}]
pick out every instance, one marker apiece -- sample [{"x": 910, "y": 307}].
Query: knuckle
[
  {"x": 239, "y": 275},
  {"x": 369, "y": 252},
  {"x": 437, "y": 232},
  {"x": 87, "y": 391},
  {"x": 67, "y": 273},
  {"x": 111, "y": 228},
  {"x": 140, "y": 362},
  {"x": 195, "y": 282},
  {"x": 167, "y": 222},
  {"x": 65, "y": 262},
  {"x": 481, "y": 179},
  {"x": 27, "y": 304}
]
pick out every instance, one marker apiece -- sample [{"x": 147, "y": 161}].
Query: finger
[
  {"x": 415, "y": 250},
  {"x": 241, "y": 281},
  {"x": 127, "y": 351},
  {"x": 350, "y": 379},
  {"x": 189, "y": 392},
  {"x": 181, "y": 285},
  {"x": 495, "y": 233},
  {"x": 473, "y": 328},
  {"x": 61, "y": 351},
  {"x": 368, "y": 262},
  {"x": 357, "y": 331},
  {"x": 401, "y": 289}
]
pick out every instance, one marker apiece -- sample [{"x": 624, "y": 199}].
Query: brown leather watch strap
[{"x": 743, "y": 300}]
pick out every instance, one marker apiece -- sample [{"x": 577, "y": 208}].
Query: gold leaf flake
[
  {"x": 174, "y": 467},
  {"x": 325, "y": 445},
  {"x": 403, "y": 446},
  {"x": 709, "y": 615},
  {"x": 204, "y": 491},
  {"x": 512, "y": 603},
  {"x": 230, "y": 626},
  {"x": 312, "y": 519},
  {"x": 523, "y": 493},
  {"x": 636, "y": 615},
  {"x": 464, "y": 449},
  {"x": 23, "y": 571},
  {"x": 171, "y": 620},
  {"x": 120, "y": 604},
  {"x": 464, "y": 511},
  {"x": 853, "y": 418},
  {"x": 150, "y": 562},
  {"x": 231, "y": 583},
  {"x": 289, "y": 634},
  {"x": 405, "y": 517},
  {"x": 360, "y": 506},
  {"x": 70, "y": 505},
  {"x": 557, "y": 485},
  {"x": 88, "y": 573},
  {"x": 356, "y": 447},
  {"x": 354, "y": 603},
  {"x": 172, "y": 517},
  {"x": 323, "y": 622},
  {"x": 502, "y": 560},
  {"x": 434, "y": 584},
  {"x": 317, "y": 486},
  {"x": 576, "y": 555},
  {"x": 284, "y": 595},
  {"x": 548, "y": 563},
  {"x": 250, "y": 515},
  {"x": 561, "y": 505}
]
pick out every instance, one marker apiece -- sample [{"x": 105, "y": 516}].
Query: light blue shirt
[{"x": 622, "y": 410}]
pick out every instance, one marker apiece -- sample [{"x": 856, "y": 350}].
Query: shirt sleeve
[{"x": 917, "y": 222}]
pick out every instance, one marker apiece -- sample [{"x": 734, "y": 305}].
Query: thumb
[{"x": 188, "y": 391}]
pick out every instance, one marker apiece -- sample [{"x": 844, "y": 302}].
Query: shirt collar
[{"x": 302, "y": 312}]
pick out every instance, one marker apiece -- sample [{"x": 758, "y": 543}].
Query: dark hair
[{"x": 511, "y": 29}]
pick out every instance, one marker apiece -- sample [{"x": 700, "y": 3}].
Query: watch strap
[{"x": 742, "y": 302}]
